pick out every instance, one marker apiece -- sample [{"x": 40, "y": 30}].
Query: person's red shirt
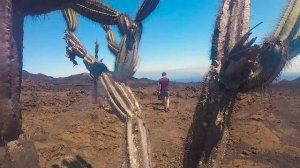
[{"x": 164, "y": 84}]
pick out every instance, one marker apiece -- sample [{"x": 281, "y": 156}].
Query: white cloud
[{"x": 293, "y": 66}]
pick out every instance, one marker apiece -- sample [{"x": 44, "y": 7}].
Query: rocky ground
[{"x": 62, "y": 119}]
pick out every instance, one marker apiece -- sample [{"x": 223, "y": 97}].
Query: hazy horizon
[{"x": 184, "y": 76}]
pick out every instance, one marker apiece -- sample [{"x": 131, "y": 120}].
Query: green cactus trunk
[{"x": 209, "y": 127}]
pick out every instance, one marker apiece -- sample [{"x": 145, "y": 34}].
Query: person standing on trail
[{"x": 163, "y": 90}]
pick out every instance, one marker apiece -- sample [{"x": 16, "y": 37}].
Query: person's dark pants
[
  {"x": 164, "y": 94},
  {"x": 165, "y": 98}
]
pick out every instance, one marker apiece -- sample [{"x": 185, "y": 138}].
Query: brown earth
[{"x": 62, "y": 119}]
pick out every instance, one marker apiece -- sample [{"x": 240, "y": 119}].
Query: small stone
[
  {"x": 254, "y": 152},
  {"x": 166, "y": 154},
  {"x": 72, "y": 100},
  {"x": 245, "y": 152}
]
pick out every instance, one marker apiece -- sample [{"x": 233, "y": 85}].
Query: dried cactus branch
[{"x": 271, "y": 59}]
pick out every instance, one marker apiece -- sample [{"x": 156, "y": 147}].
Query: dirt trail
[{"x": 62, "y": 120}]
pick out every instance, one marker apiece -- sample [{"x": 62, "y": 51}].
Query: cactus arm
[
  {"x": 238, "y": 23},
  {"x": 36, "y": 7},
  {"x": 94, "y": 10},
  {"x": 220, "y": 32},
  {"x": 258, "y": 66},
  {"x": 271, "y": 59},
  {"x": 146, "y": 9},
  {"x": 96, "y": 49},
  {"x": 127, "y": 58},
  {"x": 126, "y": 52},
  {"x": 110, "y": 36},
  {"x": 276, "y": 51},
  {"x": 233, "y": 15},
  {"x": 114, "y": 48},
  {"x": 295, "y": 47},
  {"x": 97, "y": 12},
  {"x": 70, "y": 18},
  {"x": 294, "y": 44},
  {"x": 287, "y": 27},
  {"x": 75, "y": 48}
]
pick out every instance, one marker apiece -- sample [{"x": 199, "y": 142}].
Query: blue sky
[{"x": 176, "y": 37}]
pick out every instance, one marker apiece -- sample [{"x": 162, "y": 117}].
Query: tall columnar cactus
[
  {"x": 121, "y": 97},
  {"x": 237, "y": 66},
  {"x": 12, "y": 15}
]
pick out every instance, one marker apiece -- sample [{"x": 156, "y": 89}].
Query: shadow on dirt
[{"x": 73, "y": 162}]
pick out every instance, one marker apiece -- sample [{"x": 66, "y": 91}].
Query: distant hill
[
  {"x": 293, "y": 83},
  {"x": 40, "y": 80},
  {"x": 78, "y": 79},
  {"x": 85, "y": 79},
  {"x": 82, "y": 78},
  {"x": 36, "y": 77}
]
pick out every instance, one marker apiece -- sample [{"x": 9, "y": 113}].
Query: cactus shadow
[
  {"x": 158, "y": 109},
  {"x": 73, "y": 162}
]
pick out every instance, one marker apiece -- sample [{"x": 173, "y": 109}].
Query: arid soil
[
  {"x": 265, "y": 129},
  {"x": 63, "y": 119}
]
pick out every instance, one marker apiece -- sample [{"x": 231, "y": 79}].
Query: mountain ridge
[{"x": 84, "y": 78}]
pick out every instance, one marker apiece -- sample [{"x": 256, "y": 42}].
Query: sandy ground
[
  {"x": 265, "y": 130},
  {"x": 62, "y": 119}
]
